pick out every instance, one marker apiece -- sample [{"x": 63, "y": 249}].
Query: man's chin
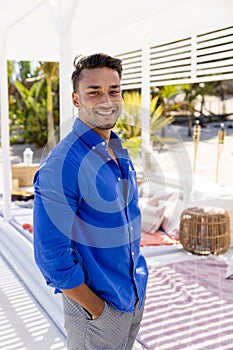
[{"x": 106, "y": 126}]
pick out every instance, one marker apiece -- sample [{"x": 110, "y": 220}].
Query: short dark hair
[{"x": 99, "y": 60}]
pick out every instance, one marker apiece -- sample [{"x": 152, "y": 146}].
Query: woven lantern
[{"x": 205, "y": 230}]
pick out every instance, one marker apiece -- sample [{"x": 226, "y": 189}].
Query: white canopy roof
[{"x": 34, "y": 26}]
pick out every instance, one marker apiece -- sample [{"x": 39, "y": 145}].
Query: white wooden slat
[
  {"x": 215, "y": 42},
  {"x": 186, "y": 62},
  {"x": 131, "y": 74},
  {"x": 133, "y": 60},
  {"x": 221, "y": 48},
  {"x": 171, "y": 76},
  {"x": 213, "y": 57},
  {"x": 129, "y": 54},
  {"x": 170, "y": 82},
  {"x": 131, "y": 86},
  {"x": 213, "y": 78},
  {"x": 220, "y": 63},
  {"x": 171, "y": 53},
  {"x": 132, "y": 67},
  {"x": 133, "y": 80},
  {"x": 170, "y": 46},
  {"x": 170, "y": 70},
  {"x": 215, "y": 34},
  {"x": 216, "y": 70},
  {"x": 170, "y": 56}
]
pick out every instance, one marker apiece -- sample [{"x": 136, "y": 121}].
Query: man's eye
[
  {"x": 93, "y": 93},
  {"x": 115, "y": 92}
]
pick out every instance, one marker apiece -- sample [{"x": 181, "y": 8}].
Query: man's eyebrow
[
  {"x": 99, "y": 87},
  {"x": 93, "y": 87}
]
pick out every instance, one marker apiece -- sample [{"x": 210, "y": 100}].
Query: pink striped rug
[{"x": 189, "y": 306}]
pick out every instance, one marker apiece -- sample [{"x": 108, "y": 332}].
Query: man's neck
[{"x": 105, "y": 134}]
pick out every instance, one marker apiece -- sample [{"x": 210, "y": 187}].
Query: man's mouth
[{"x": 106, "y": 113}]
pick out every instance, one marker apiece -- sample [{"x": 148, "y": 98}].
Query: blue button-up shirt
[{"x": 87, "y": 223}]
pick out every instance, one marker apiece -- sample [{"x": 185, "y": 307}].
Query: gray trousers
[{"x": 113, "y": 330}]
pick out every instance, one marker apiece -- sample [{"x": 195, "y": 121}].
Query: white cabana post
[
  {"x": 63, "y": 18},
  {"x": 5, "y": 138},
  {"x": 145, "y": 108}
]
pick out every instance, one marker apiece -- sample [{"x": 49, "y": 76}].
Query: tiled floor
[{"x": 24, "y": 325}]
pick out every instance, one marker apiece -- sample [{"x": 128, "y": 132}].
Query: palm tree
[
  {"x": 32, "y": 92},
  {"x": 50, "y": 70}
]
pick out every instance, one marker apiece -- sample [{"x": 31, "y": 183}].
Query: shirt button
[
  {"x": 119, "y": 179},
  {"x": 131, "y": 228},
  {"x": 108, "y": 159},
  {"x": 93, "y": 147},
  {"x": 132, "y": 253},
  {"x": 103, "y": 143}
]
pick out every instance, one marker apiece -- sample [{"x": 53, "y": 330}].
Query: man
[{"x": 87, "y": 220}]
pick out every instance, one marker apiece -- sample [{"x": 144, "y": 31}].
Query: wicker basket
[
  {"x": 205, "y": 230},
  {"x": 24, "y": 174}
]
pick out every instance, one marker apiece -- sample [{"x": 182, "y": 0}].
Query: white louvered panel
[
  {"x": 217, "y": 70},
  {"x": 215, "y": 49},
  {"x": 205, "y": 57},
  {"x": 170, "y": 62},
  {"x": 215, "y": 34},
  {"x": 132, "y": 69},
  {"x": 215, "y": 55},
  {"x": 215, "y": 42}
]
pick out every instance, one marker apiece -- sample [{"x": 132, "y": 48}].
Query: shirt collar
[{"x": 91, "y": 138}]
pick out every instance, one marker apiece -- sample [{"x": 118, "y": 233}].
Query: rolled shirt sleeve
[{"x": 54, "y": 214}]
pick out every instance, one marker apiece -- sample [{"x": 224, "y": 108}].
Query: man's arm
[{"x": 84, "y": 296}]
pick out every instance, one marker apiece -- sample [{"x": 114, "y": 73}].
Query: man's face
[{"x": 98, "y": 97}]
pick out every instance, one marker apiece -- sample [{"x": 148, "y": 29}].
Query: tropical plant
[
  {"x": 35, "y": 112},
  {"x": 167, "y": 99},
  {"x": 129, "y": 124},
  {"x": 34, "y": 102},
  {"x": 50, "y": 70}
]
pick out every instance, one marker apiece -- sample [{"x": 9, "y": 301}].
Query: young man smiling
[{"x": 87, "y": 222}]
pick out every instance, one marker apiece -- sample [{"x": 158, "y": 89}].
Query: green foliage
[
  {"x": 35, "y": 112},
  {"x": 28, "y": 102},
  {"x": 128, "y": 125}
]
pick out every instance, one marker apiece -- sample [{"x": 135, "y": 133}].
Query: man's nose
[{"x": 106, "y": 100}]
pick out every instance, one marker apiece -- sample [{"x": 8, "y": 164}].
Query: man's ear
[{"x": 75, "y": 99}]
